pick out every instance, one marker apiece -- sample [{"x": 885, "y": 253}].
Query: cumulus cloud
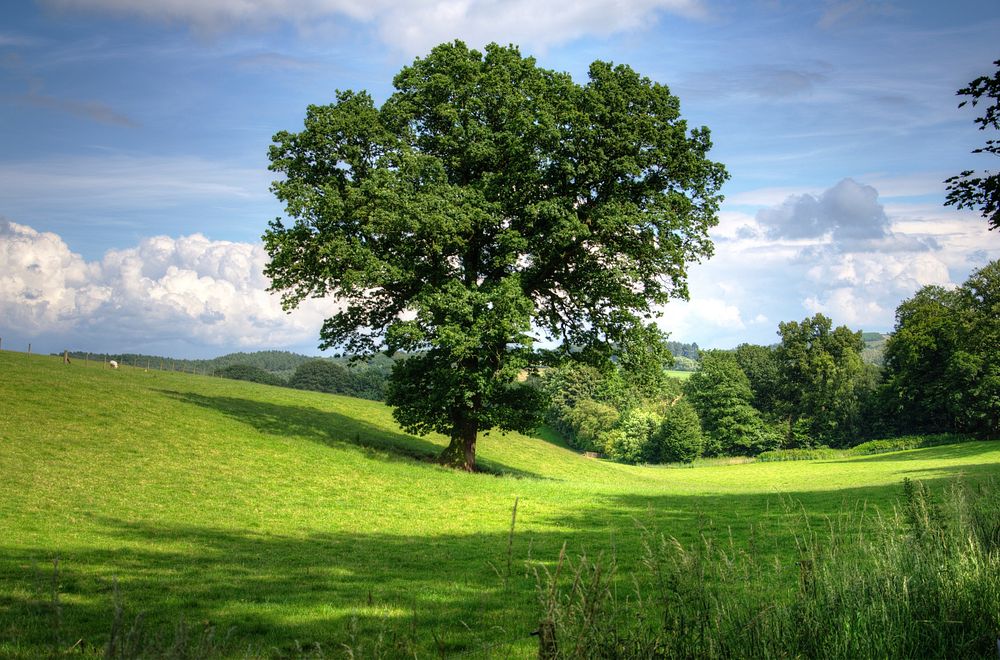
[
  {"x": 190, "y": 289},
  {"x": 703, "y": 320},
  {"x": 863, "y": 289},
  {"x": 839, "y": 252},
  {"x": 849, "y": 210},
  {"x": 417, "y": 25}
]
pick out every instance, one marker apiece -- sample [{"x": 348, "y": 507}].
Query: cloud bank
[
  {"x": 164, "y": 291},
  {"x": 844, "y": 252}
]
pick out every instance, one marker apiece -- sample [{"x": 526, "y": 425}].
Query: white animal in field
[{"x": 113, "y": 364}]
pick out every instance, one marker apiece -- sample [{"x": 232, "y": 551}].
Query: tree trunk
[{"x": 461, "y": 451}]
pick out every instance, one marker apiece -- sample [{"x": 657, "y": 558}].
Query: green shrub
[
  {"x": 816, "y": 453},
  {"x": 587, "y": 421},
  {"x": 679, "y": 438},
  {"x": 906, "y": 442},
  {"x": 632, "y": 439}
]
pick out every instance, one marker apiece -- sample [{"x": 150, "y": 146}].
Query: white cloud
[
  {"x": 848, "y": 210},
  {"x": 863, "y": 289},
  {"x": 701, "y": 318},
  {"x": 187, "y": 289},
  {"x": 760, "y": 275},
  {"x": 417, "y": 25}
]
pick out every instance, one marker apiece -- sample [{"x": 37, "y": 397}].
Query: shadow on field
[
  {"x": 329, "y": 428},
  {"x": 275, "y": 591},
  {"x": 414, "y": 595}
]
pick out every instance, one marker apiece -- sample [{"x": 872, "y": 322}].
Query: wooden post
[
  {"x": 86, "y": 360},
  {"x": 29, "y": 348},
  {"x": 65, "y": 356}
]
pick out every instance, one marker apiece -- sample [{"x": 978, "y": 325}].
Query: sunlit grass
[{"x": 298, "y": 517}]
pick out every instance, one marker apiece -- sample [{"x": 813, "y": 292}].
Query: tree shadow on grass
[
  {"x": 331, "y": 428},
  {"x": 440, "y": 594}
]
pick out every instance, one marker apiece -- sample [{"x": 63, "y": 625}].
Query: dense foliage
[
  {"x": 485, "y": 199},
  {"x": 813, "y": 390},
  {"x": 249, "y": 373},
  {"x": 822, "y": 377},
  {"x": 721, "y": 394},
  {"x": 943, "y": 360},
  {"x": 362, "y": 381},
  {"x": 679, "y": 438}
]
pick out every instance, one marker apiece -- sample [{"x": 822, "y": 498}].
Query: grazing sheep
[{"x": 113, "y": 364}]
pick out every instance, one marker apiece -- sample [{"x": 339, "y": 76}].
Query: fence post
[
  {"x": 29, "y": 348},
  {"x": 65, "y": 356},
  {"x": 86, "y": 360}
]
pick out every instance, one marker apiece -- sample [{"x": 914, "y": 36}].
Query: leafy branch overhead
[
  {"x": 485, "y": 201},
  {"x": 980, "y": 190}
]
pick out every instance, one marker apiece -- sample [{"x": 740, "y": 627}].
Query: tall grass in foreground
[{"x": 923, "y": 582}]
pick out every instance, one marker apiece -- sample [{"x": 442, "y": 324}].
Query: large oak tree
[{"x": 489, "y": 203}]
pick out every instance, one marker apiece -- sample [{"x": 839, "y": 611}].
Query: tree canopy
[
  {"x": 943, "y": 360},
  {"x": 488, "y": 202},
  {"x": 821, "y": 372},
  {"x": 969, "y": 189}
]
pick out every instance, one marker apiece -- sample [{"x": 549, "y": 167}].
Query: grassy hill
[{"x": 294, "y": 521}]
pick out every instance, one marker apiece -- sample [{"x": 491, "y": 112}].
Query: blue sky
[{"x": 134, "y": 182}]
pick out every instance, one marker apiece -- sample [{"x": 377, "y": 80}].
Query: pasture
[{"x": 288, "y": 522}]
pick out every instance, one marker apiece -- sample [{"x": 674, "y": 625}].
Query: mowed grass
[{"x": 291, "y": 519}]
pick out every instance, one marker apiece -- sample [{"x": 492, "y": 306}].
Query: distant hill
[
  {"x": 874, "y": 350},
  {"x": 280, "y": 363}
]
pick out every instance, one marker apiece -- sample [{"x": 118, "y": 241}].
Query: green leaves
[
  {"x": 966, "y": 190},
  {"x": 487, "y": 197},
  {"x": 943, "y": 360}
]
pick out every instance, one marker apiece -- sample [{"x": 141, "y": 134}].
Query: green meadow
[{"x": 265, "y": 521}]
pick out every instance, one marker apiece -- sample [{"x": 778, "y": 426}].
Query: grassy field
[{"x": 295, "y": 521}]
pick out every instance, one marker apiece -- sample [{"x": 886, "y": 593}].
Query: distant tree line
[
  {"x": 365, "y": 379},
  {"x": 361, "y": 379},
  {"x": 813, "y": 389},
  {"x": 279, "y": 363}
]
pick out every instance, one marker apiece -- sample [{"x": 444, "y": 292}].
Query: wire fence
[{"x": 117, "y": 361}]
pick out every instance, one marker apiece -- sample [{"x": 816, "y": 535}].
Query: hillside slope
[{"x": 293, "y": 517}]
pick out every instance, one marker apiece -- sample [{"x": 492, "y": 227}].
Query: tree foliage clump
[
  {"x": 822, "y": 379},
  {"x": 633, "y": 440},
  {"x": 679, "y": 438},
  {"x": 721, "y": 394},
  {"x": 249, "y": 373},
  {"x": 363, "y": 381},
  {"x": 943, "y": 360},
  {"x": 971, "y": 190},
  {"x": 485, "y": 200}
]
